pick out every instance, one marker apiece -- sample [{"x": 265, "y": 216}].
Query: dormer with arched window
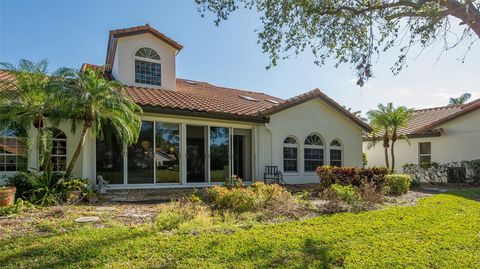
[{"x": 142, "y": 56}]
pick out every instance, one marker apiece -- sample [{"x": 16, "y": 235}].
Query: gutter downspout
[{"x": 269, "y": 128}]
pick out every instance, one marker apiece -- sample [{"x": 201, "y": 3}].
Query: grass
[{"x": 441, "y": 231}]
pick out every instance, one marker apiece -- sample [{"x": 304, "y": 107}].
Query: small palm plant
[
  {"x": 398, "y": 119},
  {"x": 379, "y": 119},
  {"x": 387, "y": 121},
  {"x": 29, "y": 97},
  {"x": 101, "y": 103}
]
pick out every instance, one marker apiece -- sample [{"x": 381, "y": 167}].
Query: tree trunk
[
  {"x": 75, "y": 156},
  {"x": 393, "y": 157},
  {"x": 385, "y": 147},
  {"x": 386, "y": 158}
]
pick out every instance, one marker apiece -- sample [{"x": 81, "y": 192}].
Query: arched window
[
  {"x": 290, "y": 155},
  {"x": 58, "y": 155},
  {"x": 13, "y": 150},
  {"x": 148, "y": 69},
  {"x": 336, "y": 153},
  {"x": 313, "y": 153}
]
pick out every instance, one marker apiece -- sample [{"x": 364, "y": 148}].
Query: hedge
[{"x": 354, "y": 176}]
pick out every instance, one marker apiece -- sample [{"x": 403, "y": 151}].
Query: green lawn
[{"x": 441, "y": 231}]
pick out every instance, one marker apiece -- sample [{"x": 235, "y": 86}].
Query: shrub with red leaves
[{"x": 354, "y": 176}]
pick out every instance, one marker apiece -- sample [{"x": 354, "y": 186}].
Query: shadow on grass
[{"x": 65, "y": 252}]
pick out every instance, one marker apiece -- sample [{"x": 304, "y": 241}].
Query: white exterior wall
[
  {"x": 84, "y": 166},
  {"x": 310, "y": 117},
  {"x": 123, "y": 68},
  {"x": 460, "y": 141}
]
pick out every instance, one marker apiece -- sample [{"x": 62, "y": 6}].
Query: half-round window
[
  {"x": 13, "y": 150},
  {"x": 290, "y": 154},
  {"x": 147, "y": 53},
  {"x": 336, "y": 155},
  {"x": 148, "y": 69},
  {"x": 313, "y": 153}
]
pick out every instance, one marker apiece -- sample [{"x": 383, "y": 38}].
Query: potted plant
[{"x": 7, "y": 195}]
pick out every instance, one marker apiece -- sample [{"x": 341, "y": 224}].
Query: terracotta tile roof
[
  {"x": 425, "y": 122},
  {"x": 204, "y": 97}
]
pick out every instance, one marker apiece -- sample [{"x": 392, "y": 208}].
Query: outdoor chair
[{"x": 273, "y": 175}]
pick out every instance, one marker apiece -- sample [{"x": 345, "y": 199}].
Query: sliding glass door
[
  {"x": 140, "y": 157},
  {"x": 167, "y": 153},
  {"x": 196, "y": 154},
  {"x": 219, "y": 154}
]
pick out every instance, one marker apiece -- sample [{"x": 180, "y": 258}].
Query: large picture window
[
  {"x": 148, "y": 69},
  {"x": 336, "y": 153},
  {"x": 13, "y": 150},
  {"x": 313, "y": 153},
  {"x": 290, "y": 155}
]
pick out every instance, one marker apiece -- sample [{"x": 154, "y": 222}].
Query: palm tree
[
  {"x": 460, "y": 100},
  {"x": 29, "y": 97},
  {"x": 380, "y": 121},
  {"x": 398, "y": 118},
  {"x": 101, "y": 103}
]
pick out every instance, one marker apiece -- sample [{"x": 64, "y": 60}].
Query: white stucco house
[
  {"x": 197, "y": 134},
  {"x": 441, "y": 134}
]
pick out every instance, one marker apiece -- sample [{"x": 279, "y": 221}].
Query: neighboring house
[
  {"x": 197, "y": 134},
  {"x": 441, "y": 134}
]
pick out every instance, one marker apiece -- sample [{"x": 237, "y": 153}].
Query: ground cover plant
[{"x": 440, "y": 231}]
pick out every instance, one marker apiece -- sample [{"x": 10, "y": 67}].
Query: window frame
[
  {"x": 146, "y": 60},
  {"x": 56, "y": 140},
  {"x": 313, "y": 146},
  {"x": 296, "y": 147},
  {"x": 336, "y": 147},
  {"x": 420, "y": 154},
  {"x": 5, "y": 155}
]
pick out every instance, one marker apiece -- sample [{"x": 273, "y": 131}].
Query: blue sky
[{"x": 69, "y": 33}]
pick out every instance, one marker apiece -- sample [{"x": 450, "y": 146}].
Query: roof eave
[{"x": 204, "y": 114}]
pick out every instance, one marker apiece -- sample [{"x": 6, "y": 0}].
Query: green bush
[
  {"x": 251, "y": 198},
  {"x": 398, "y": 184},
  {"x": 347, "y": 194}
]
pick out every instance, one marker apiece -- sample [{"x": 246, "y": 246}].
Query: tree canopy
[{"x": 355, "y": 32}]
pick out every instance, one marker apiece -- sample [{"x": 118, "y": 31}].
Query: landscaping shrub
[
  {"x": 347, "y": 194},
  {"x": 269, "y": 197},
  {"x": 351, "y": 176},
  {"x": 340, "y": 198},
  {"x": 433, "y": 173},
  {"x": 370, "y": 195},
  {"x": 398, "y": 184},
  {"x": 237, "y": 199}
]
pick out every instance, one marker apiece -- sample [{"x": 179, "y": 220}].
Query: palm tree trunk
[
  {"x": 386, "y": 158},
  {"x": 75, "y": 156},
  {"x": 393, "y": 157}
]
